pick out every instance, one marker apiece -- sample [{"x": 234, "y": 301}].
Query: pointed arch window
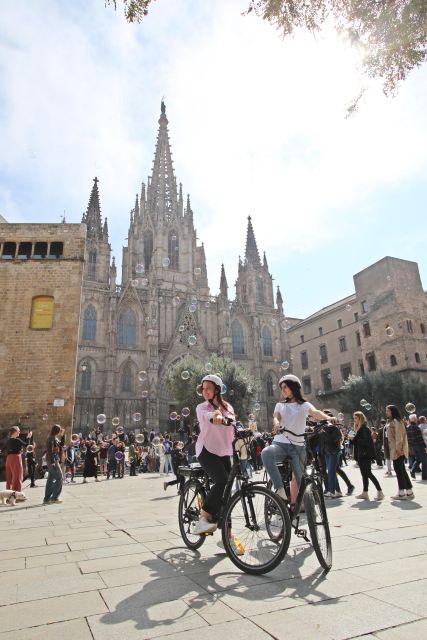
[
  {"x": 91, "y": 271},
  {"x": 270, "y": 385},
  {"x": 237, "y": 337},
  {"x": 86, "y": 377},
  {"x": 89, "y": 323},
  {"x": 260, "y": 290},
  {"x": 173, "y": 250},
  {"x": 126, "y": 335},
  {"x": 127, "y": 379},
  {"x": 267, "y": 342},
  {"x": 148, "y": 249}
]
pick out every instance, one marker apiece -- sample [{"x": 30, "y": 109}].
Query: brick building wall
[{"x": 38, "y": 365}]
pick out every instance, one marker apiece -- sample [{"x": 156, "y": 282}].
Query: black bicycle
[
  {"x": 259, "y": 544},
  {"x": 310, "y": 494}
]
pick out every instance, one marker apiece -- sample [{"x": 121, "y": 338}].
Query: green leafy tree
[
  {"x": 380, "y": 389},
  {"x": 184, "y": 377},
  {"x": 391, "y": 34},
  {"x": 134, "y": 10}
]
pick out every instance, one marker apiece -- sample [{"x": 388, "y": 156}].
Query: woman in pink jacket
[{"x": 214, "y": 448}]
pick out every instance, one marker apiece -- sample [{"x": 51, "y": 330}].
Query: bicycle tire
[
  {"x": 261, "y": 554},
  {"x": 190, "y": 504},
  {"x": 318, "y": 525}
]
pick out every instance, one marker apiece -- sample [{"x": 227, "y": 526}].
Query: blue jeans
[
  {"x": 275, "y": 453},
  {"x": 420, "y": 459},
  {"x": 54, "y": 481},
  {"x": 331, "y": 469}
]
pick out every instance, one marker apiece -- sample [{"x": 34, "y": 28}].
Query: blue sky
[{"x": 257, "y": 127}]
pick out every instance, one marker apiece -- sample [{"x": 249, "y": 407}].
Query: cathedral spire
[
  {"x": 223, "y": 286},
  {"x": 279, "y": 300},
  {"x": 251, "y": 253},
  {"x": 162, "y": 200},
  {"x": 92, "y": 217}
]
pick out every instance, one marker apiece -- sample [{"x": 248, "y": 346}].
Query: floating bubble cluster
[{"x": 101, "y": 418}]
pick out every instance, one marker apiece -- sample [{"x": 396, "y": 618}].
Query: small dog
[{"x": 10, "y": 497}]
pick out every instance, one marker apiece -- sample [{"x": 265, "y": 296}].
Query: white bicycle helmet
[
  {"x": 213, "y": 378},
  {"x": 289, "y": 377}
]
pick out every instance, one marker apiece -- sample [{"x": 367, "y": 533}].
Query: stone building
[
  {"x": 41, "y": 273},
  {"x": 162, "y": 308},
  {"x": 381, "y": 326}
]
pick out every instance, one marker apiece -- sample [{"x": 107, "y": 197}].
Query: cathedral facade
[{"x": 132, "y": 331}]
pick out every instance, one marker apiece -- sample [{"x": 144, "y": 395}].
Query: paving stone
[
  {"x": 12, "y": 563},
  {"x": 33, "y": 551},
  {"x": 55, "y": 558},
  {"x": 410, "y": 631},
  {"x": 118, "y": 562},
  {"x": 339, "y": 619},
  {"x": 235, "y": 629},
  {"x": 410, "y": 596},
  {"x": 40, "y": 612},
  {"x": 69, "y": 630},
  {"x": 146, "y": 622}
]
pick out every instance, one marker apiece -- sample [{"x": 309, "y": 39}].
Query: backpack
[{"x": 167, "y": 447}]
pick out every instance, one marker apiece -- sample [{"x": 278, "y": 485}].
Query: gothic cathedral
[{"x": 162, "y": 309}]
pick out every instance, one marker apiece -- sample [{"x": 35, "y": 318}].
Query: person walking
[
  {"x": 364, "y": 453},
  {"x": 54, "y": 479},
  {"x": 398, "y": 443},
  {"x": 15, "y": 446},
  {"x": 416, "y": 443}
]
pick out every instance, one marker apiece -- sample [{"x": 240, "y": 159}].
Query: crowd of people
[{"x": 397, "y": 443}]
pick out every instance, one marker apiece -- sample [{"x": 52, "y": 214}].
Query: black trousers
[
  {"x": 402, "y": 475},
  {"x": 218, "y": 469},
  {"x": 365, "y": 470},
  {"x": 32, "y": 473}
]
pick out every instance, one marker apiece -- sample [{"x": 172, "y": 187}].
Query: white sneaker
[
  {"x": 410, "y": 495},
  {"x": 380, "y": 495},
  {"x": 282, "y": 493},
  {"x": 399, "y": 496},
  {"x": 328, "y": 494},
  {"x": 204, "y": 526},
  {"x": 338, "y": 494},
  {"x": 363, "y": 496}
]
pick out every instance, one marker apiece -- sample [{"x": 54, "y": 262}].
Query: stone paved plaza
[{"x": 109, "y": 563}]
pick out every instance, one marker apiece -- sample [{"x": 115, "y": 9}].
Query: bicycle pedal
[
  {"x": 208, "y": 533},
  {"x": 301, "y": 533}
]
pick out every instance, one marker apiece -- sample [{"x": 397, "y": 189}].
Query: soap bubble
[
  {"x": 363, "y": 402},
  {"x": 115, "y": 422},
  {"x": 166, "y": 262},
  {"x": 208, "y": 366},
  {"x": 231, "y": 392},
  {"x": 101, "y": 418},
  {"x": 181, "y": 328},
  {"x": 340, "y": 417},
  {"x": 143, "y": 282},
  {"x": 192, "y": 308},
  {"x": 329, "y": 376},
  {"x": 173, "y": 415},
  {"x": 134, "y": 283},
  {"x": 94, "y": 449},
  {"x": 257, "y": 406},
  {"x": 136, "y": 417},
  {"x": 119, "y": 430},
  {"x": 207, "y": 304},
  {"x": 185, "y": 375},
  {"x": 274, "y": 322},
  {"x": 45, "y": 417},
  {"x": 142, "y": 376},
  {"x": 348, "y": 307},
  {"x": 119, "y": 455},
  {"x": 199, "y": 390},
  {"x": 367, "y": 407},
  {"x": 185, "y": 412},
  {"x": 173, "y": 238},
  {"x": 223, "y": 389},
  {"x": 176, "y": 301},
  {"x": 197, "y": 271},
  {"x": 389, "y": 332},
  {"x": 192, "y": 340},
  {"x": 144, "y": 394},
  {"x": 193, "y": 300},
  {"x": 285, "y": 365},
  {"x": 139, "y": 438},
  {"x": 410, "y": 408},
  {"x": 139, "y": 268}
]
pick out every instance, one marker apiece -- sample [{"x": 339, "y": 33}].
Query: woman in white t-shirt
[{"x": 290, "y": 416}]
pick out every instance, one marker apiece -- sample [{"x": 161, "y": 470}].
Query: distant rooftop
[{"x": 2, "y": 220}]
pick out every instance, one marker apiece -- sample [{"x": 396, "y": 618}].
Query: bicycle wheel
[
  {"x": 259, "y": 553},
  {"x": 190, "y": 504},
  {"x": 318, "y": 524}
]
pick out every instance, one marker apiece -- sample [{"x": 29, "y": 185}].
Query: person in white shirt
[{"x": 289, "y": 416}]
